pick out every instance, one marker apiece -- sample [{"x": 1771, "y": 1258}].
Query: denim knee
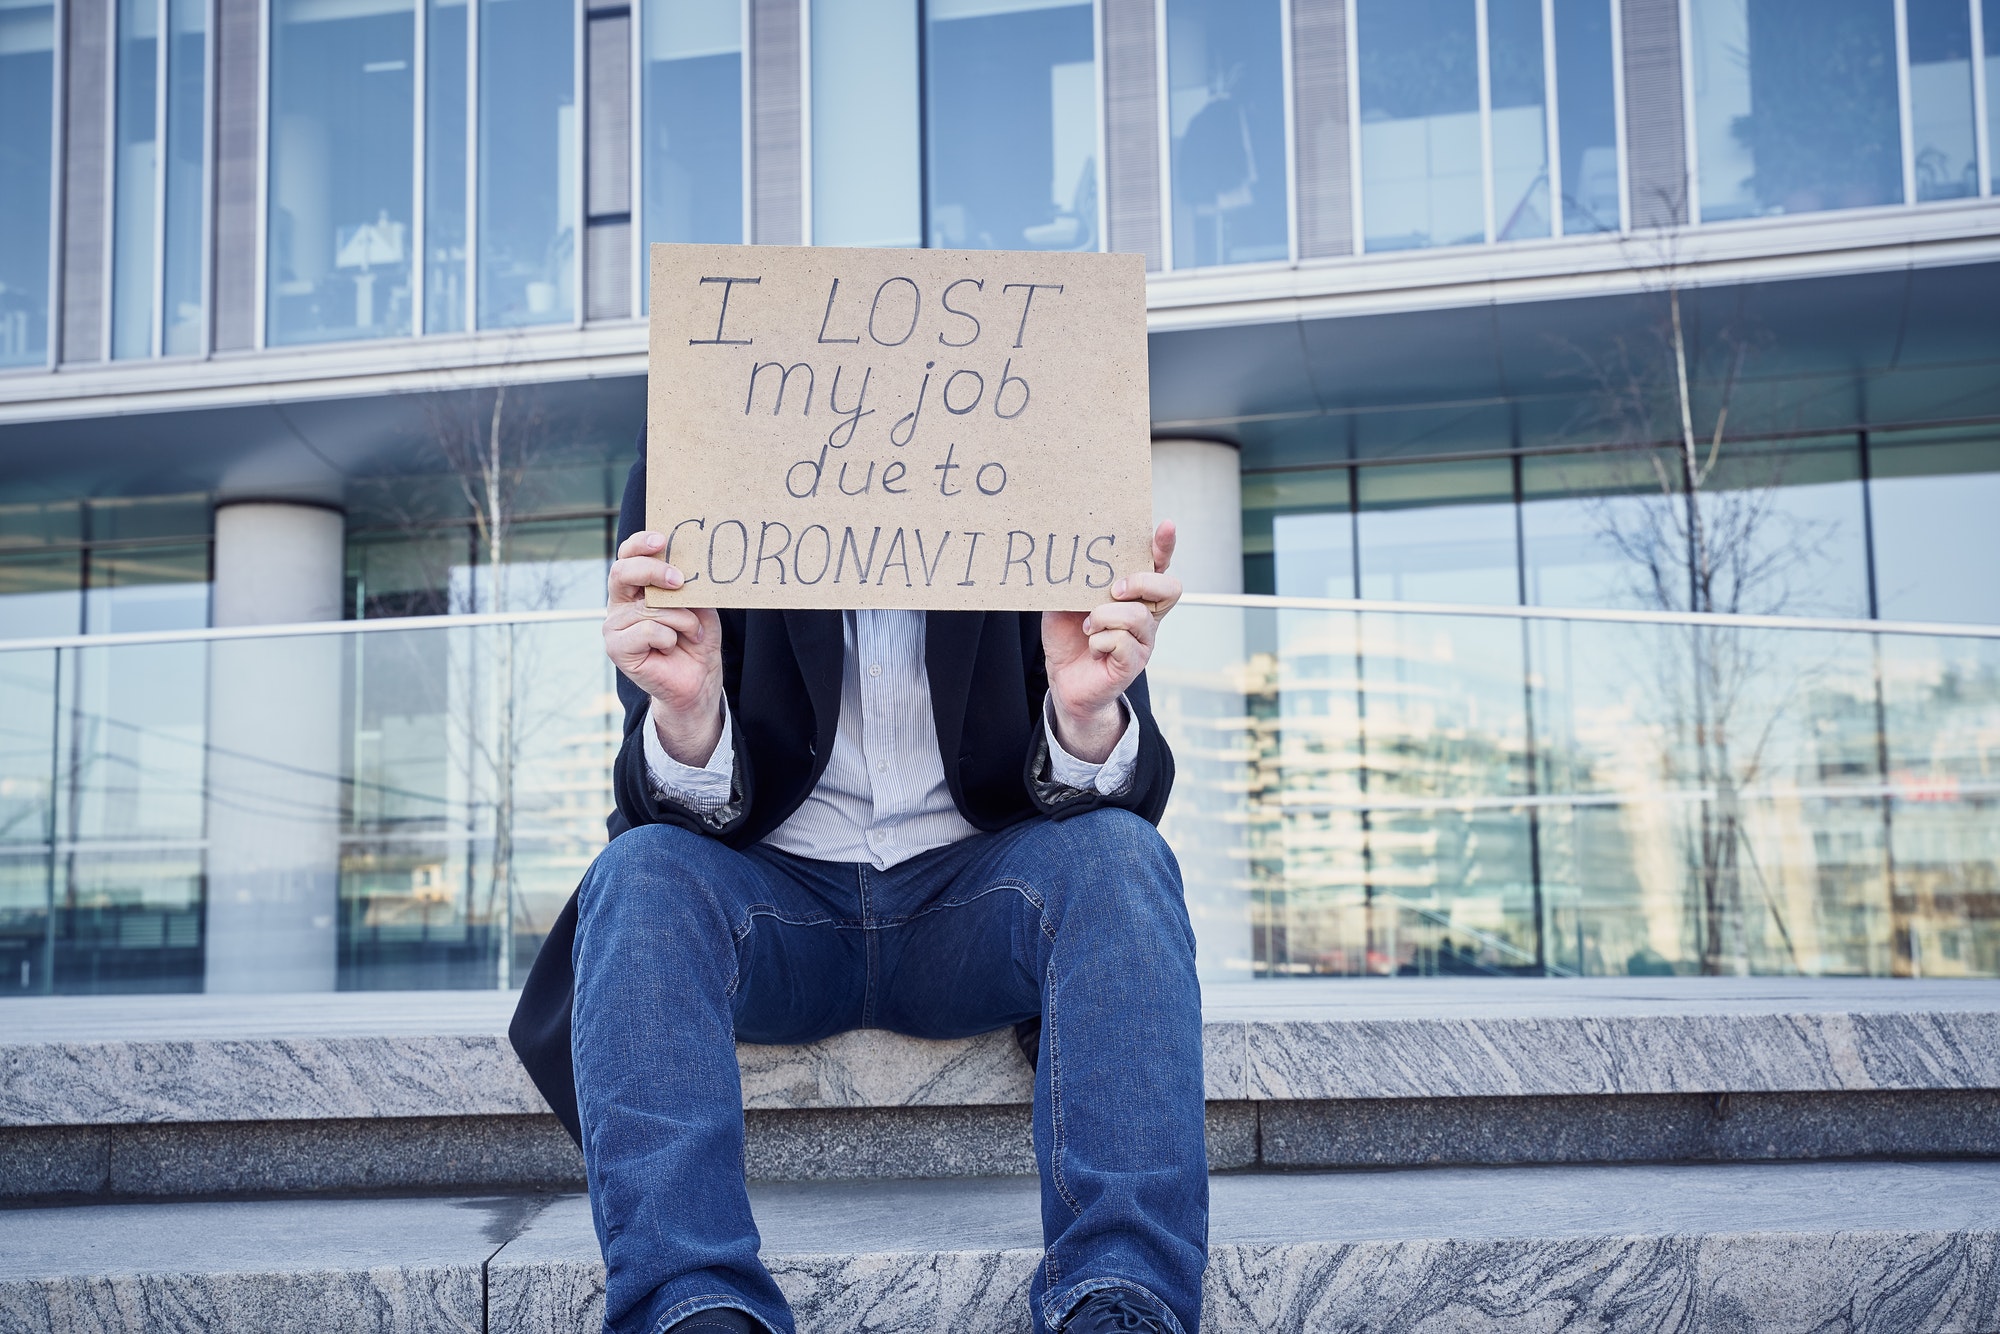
[
  {"x": 655, "y": 871},
  {"x": 1114, "y": 863}
]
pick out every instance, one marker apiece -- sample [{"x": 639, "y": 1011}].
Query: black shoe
[
  {"x": 1112, "y": 1312},
  {"x": 718, "y": 1320}
]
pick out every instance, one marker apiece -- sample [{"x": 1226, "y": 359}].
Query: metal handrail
[{"x": 1248, "y": 601}]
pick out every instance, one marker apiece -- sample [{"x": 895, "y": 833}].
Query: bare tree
[
  {"x": 494, "y": 445},
  {"x": 1712, "y": 537}
]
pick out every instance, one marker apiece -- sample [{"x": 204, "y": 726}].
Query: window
[
  {"x": 1941, "y": 115},
  {"x": 1587, "y": 117},
  {"x": 1421, "y": 178},
  {"x": 134, "y": 171},
  {"x": 158, "y": 210},
  {"x": 27, "y": 127},
  {"x": 692, "y": 146},
  {"x": 445, "y": 284},
  {"x": 1225, "y": 107},
  {"x": 1517, "y": 78},
  {"x": 1012, "y": 116},
  {"x": 1438, "y": 532},
  {"x": 342, "y": 137},
  {"x": 1796, "y": 106},
  {"x": 866, "y": 187},
  {"x": 1932, "y": 500},
  {"x": 528, "y": 146}
]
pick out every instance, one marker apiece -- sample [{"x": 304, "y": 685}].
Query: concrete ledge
[
  {"x": 46, "y": 1164},
  {"x": 130, "y": 1060},
  {"x": 1910, "y": 1248}
]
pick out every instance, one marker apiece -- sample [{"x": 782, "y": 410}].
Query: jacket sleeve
[
  {"x": 631, "y": 782},
  {"x": 1152, "y": 773}
]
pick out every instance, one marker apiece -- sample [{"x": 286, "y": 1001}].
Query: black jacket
[{"x": 781, "y": 672}]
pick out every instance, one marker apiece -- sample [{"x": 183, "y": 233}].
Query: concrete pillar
[
  {"x": 1197, "y": 682},
  {"x": 1199, "y": 485},
  {"x": 274, "y": 752}
]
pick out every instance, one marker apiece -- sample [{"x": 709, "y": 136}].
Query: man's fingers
[
  {"x": 633, "y": 643},
  {"x": 1158, "y": 591},
  {"x": 1164, "y": 538},
  {"x": 631, "y": 576},
  {"x": 641, "y": 543},
  {"x": 1134, "y": 618},
  {"x": 698, "y": 625},
  {"x": 1118, "y": 645}
]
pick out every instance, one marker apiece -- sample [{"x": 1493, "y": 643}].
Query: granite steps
[
  {"x": 198, "y": 1096},
  {"x": 1900, "y": 1248}
]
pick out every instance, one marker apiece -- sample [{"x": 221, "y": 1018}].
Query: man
[{"x": 936, "y": 823}]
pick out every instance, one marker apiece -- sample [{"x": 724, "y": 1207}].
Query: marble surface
[
  {"x": 112, "y": 1060},
  {"x": 1888, "y": 1248},
  {"x": 1894, "y": 1248},
  {"x": 272, "y": 1267}
]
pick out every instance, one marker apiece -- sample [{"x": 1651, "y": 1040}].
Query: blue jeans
[{"x": 684, "y": 946}]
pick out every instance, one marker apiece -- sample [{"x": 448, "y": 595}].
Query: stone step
[
  {"x": 164, "y": 1096},
  {"x": 1900, "y": 1248}
]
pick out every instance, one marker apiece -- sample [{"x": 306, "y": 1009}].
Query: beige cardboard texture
[{"x": 898, "y": 428}]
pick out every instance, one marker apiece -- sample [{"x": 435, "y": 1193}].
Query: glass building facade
[{"x": 1474, "y": 718}]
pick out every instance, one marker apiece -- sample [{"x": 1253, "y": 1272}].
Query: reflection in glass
[
  {"x": 147, "y": 588},
  {"x": 865, "y": 168},
  {"x": 1796, "y": 108},
  {"x": 1520, "y": 119},
  {"x": 1932, "y": 499},
  {"x": 1438, "y": 532},
  {"x": 445, "y": 284},
  {"x": 187, "y": 97},
  {"x": 1787, "y": 531},
  {"x": 1012, "y": 118},
  {"x": 692, "y": 142},
  {"x": 1584, "y": 520},
  {"x": 342, "y": 135},
  {"x": 528, "y": 174},
  {"x": 129, "y": 902},
  {"x": 41, "y": 593},
  {"x": 1421, "y": 182},
  {"x": 1941, "y": 111},
  {"x": 1587, "y": 117},
  {"x": 27, "y": 91},
  {"x": 1225, "y": 91},
  {"x": 134, "y": 178},
  {"x": 1298, "y": 534}
]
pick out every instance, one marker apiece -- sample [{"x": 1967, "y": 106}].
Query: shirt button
[
  {"x": 874, "y": 669},
  {"x": 882, "y": 766}
]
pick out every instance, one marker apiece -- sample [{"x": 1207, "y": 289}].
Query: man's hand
[
  {"x": 674, "y": 654},
  {"x": 1094, "y": 656}
]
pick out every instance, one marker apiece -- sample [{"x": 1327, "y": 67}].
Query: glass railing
[
  {"x": 1365, "y": 788},
  {"x": 1398, "y": 789}
]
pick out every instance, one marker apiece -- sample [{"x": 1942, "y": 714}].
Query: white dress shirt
[{"x": 883, "y": 797}]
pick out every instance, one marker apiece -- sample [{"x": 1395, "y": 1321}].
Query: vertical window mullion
[
  {"x": 1905, "y": 124},
  {"x": 420, "y": 118},
  {"x": 211, "y": 39},
  {"x": 262, "y": 282},
  {"x": 1356, "y": 220},
  {"x": 475, "y": 11},
  {"x": 1163, "y": 80},
  {"x": 1618, "y": 112},
  {"x": 162, "y": 148},
  {"x": 579, "y": 169},
  {"x": 635, "y": 190},
  {"x": 1485, "y": 60},
  {"x": 1552, "y": 117},
  {"x": 1291, "y": 130},
  {"x": 1982, "y": 126}
]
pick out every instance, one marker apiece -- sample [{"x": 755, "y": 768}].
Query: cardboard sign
[{"x": 898, "y": 428}]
